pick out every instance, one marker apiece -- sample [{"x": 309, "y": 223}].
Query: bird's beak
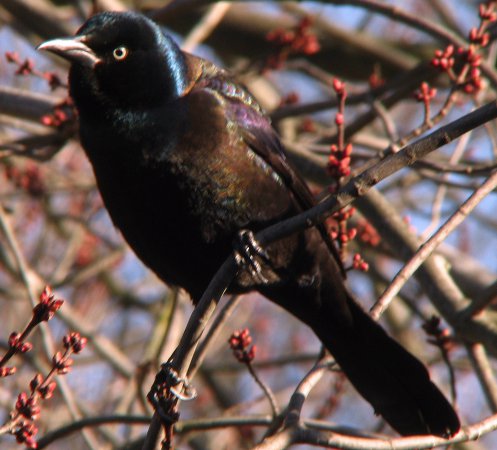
[{"x": 73, "y": 49}]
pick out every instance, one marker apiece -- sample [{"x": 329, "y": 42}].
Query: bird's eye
[{"x": 120, "y": 53}]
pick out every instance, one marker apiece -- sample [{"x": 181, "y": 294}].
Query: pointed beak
[{"x": 73, "y": 49}]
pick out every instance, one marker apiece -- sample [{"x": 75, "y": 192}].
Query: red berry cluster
[
  {"x": 7, "y": 371},
  {"x": 300, "y": 40},
  {"x": 339, "y": 161},
  {"x": 27, "y": 67},
  {"x": 340, "y": 88},
  {"x": 39, "y": 385},
  {"x": 339, "y": 167},
  {"x": 27, "y": 178},
  {"x": 27, "y": 407},
  {"x": 425, "y": 93},
  {"x": 359, "y": 264},
  {"x": 25, "y": 434},
  {"x": 17, "y": 344},
  {"x": 375, "y": 80},
  {"x": 60, "y": 114},
  {"x": 74, "y": 342},
  {"x": 340, "y": 232},
  {"x": 307, "y": 125},
  {"x": 290, "y": 99},
  {"x": 367, "y": 233},
  {"x": 469, "y": 76},
  {"x": 444, "y": 59},
  {"x": 43, "y": 311},
  {"x": 240, "y": 342},
  {"x": 487, "y": 11},
  {"x": 47, "y": 306},
  {"x": 439, "y": 336}
]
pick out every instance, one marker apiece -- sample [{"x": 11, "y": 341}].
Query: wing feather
[{"x": 257, "y": 132}]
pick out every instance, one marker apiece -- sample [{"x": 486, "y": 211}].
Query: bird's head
[{"x": 121, "y": 59}]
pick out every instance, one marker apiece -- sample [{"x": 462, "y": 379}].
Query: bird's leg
[
  {"x": 248, "y": 252},
  {"x": 164, "y": 395}
]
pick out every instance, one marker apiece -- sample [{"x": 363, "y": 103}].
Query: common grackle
[{"x": 186, "y": 162}]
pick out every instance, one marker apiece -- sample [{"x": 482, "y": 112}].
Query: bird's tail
[{"x": 396, "y": 384}]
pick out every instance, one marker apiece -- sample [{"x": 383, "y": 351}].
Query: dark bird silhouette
[{"x": 186, "y": 161}]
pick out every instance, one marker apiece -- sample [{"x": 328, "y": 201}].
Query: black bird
[{"x": 186, "y": 161}]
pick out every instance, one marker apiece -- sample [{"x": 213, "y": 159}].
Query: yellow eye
[{"x": 120, "y": 53}]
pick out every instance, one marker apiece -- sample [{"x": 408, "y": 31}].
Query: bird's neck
[{"x": 175, "y": 67}]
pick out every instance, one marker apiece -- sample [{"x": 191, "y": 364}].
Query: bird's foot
[
  {"x": 165, "y": 385},
  {"x": 248, "y": 252}
]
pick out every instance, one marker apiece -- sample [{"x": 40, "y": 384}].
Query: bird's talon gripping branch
[
  {"x": 164, "y": 392},
  {"x": 171, "y": 379},
  {"x": 190, "y": 393},
  {"x": 247, "y": 253}
]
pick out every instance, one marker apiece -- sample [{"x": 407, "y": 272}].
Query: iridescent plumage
[{"x": 185, "y": 160}]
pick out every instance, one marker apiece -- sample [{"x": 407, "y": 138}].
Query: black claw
[{"x": 247, "y": 253}]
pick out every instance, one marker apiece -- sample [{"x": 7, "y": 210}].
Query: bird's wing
[{"x": 257, "y": 132}]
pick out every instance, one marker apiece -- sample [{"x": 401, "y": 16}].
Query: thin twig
[
  {"x": 205, "y": 26},
  {"x": 442, "y": 189},
  {"x": 431, "y": 244},
  {"x": 304, "y": 389},
  {"x": 212, "y": 333},
  {"x": 484, "y": 299},
  {"x": 485, "y": 373},
  {"x": 265, "y": 389},
  {"x": 300, "y": 434}
]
